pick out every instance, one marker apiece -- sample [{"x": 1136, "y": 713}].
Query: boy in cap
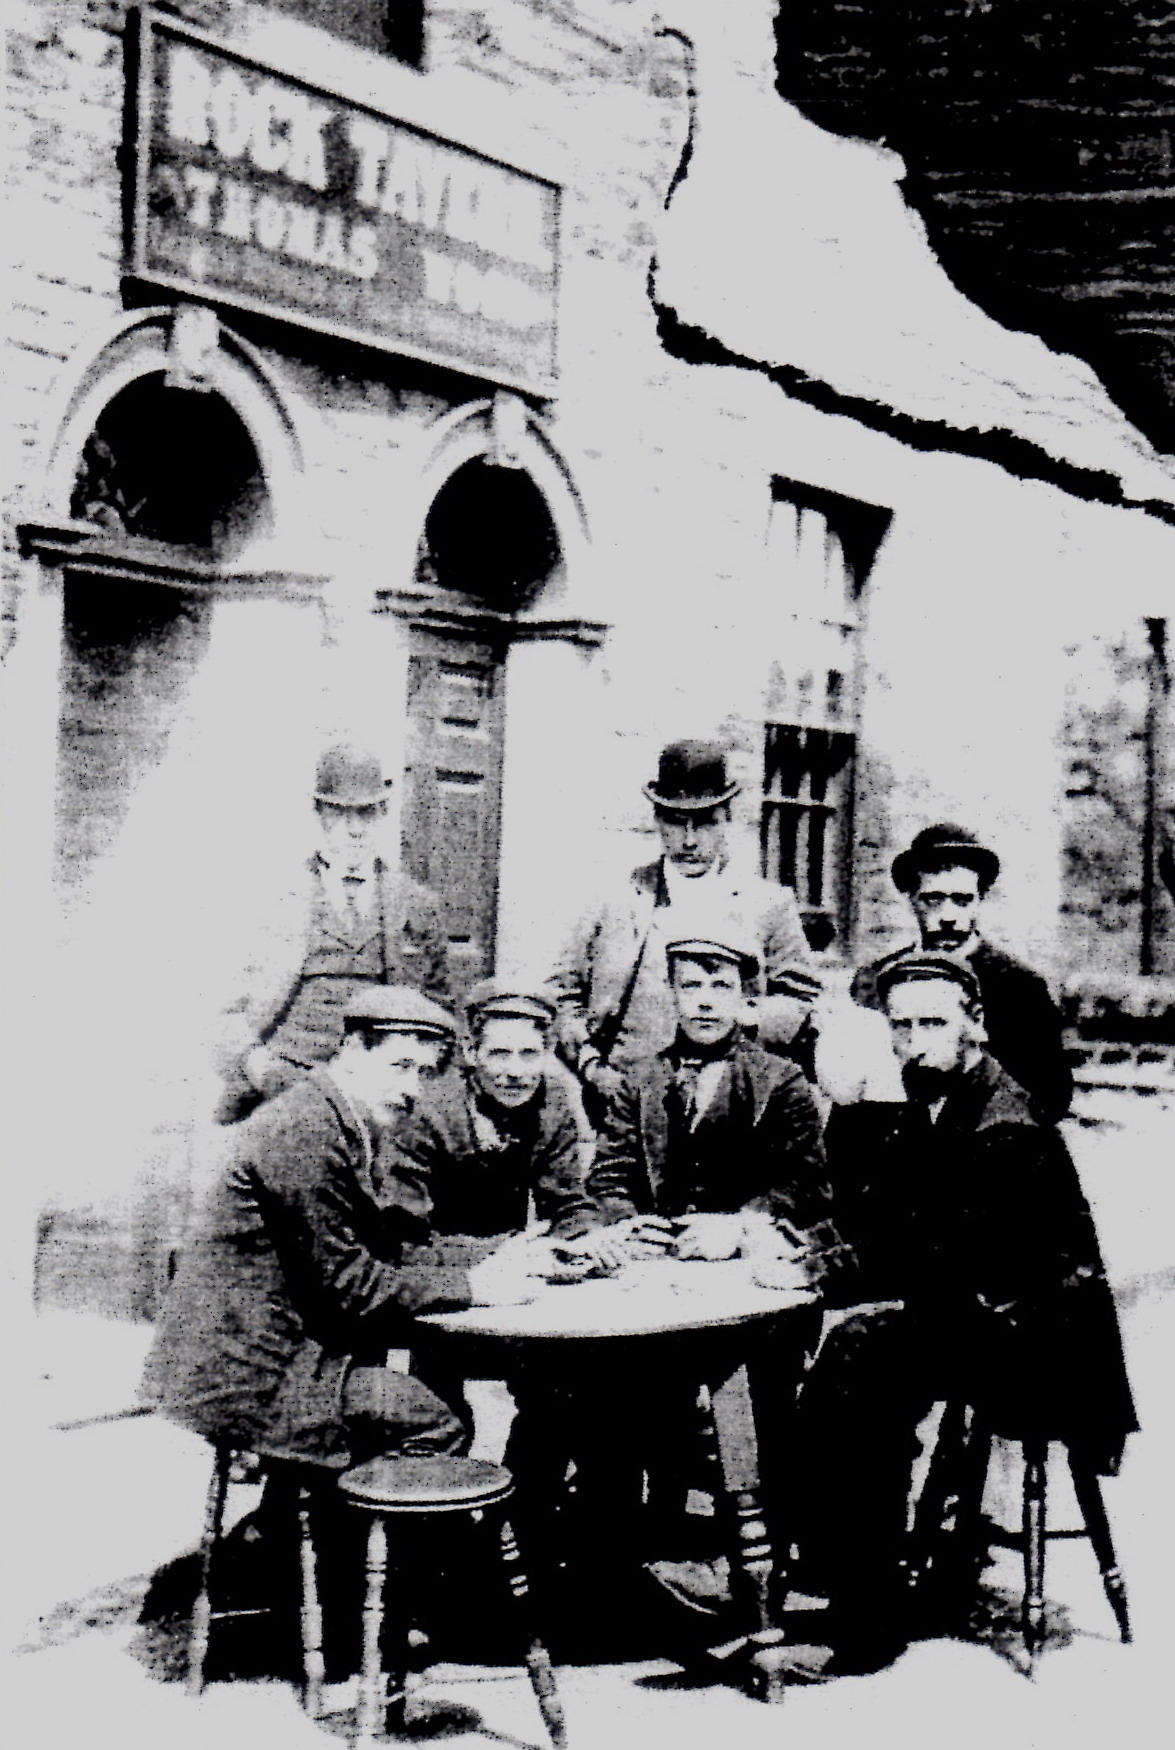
[
  {"x": 946, "y": 874},
  {"x": 704, "y": 1146},
  {"x": 611, "y": 981},
  {"x": 354, "y": 922},
  {"x": 292, "y": 1288},
  {"x": 973, "y": 1274}
]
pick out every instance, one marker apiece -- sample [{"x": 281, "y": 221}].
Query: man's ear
[{"x": 749, "y": 1013}]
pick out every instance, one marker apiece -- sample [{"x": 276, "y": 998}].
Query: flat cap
[
  {"x": 908, "y": 968},
  {"x": 501, "y": 997},
  {"x": 397, "y": 1008},
  {"x": 717, "y": 944}
]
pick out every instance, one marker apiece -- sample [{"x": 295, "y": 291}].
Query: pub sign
[{"x": 258, "y": 190}]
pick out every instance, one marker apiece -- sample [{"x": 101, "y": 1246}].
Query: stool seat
[{"x": 426, "y": 1485}]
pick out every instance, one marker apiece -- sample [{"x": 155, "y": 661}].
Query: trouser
[
  {"x": 389, "y": 1414},
  {"x": 631, "y": 1426},
  {"x": 874, "y": 1379}
]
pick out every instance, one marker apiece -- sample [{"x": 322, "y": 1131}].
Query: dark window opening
[
  {"x": 175, "y": 466},
  {"x": 489, "y": 536}
]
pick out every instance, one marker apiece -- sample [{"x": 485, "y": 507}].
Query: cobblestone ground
[{"x": 100, "y": 1508}]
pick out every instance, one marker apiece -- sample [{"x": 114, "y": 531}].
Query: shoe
[{"x": 702, "y": 1586}]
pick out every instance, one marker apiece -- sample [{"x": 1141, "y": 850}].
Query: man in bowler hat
[
  {"x": 946, "y": 874},
  {"x": 611, "y": 981},
  {"x": 353, "y": 921}
]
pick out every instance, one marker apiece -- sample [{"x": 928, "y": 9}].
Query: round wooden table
[{"x": 706, "y": 1315}]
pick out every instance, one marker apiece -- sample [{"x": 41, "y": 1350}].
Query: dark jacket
[
  {"x": 304, "y": 964},
  {"x": 452, "y": 1166},
  {"x": 1024, "y": 1026},
  {"x": 286, "y": 1283},
  {"x": 756, "y": 1146},
  {"x": 979, "y": 1225}
]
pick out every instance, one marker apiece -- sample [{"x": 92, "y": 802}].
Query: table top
[{"x": 661, "y": 1295}]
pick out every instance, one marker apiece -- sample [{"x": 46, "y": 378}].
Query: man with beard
[
  {"x": 975, "y": 1277},
  {"x": 946, "y": 874}
]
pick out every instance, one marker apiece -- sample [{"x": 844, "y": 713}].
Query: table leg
[
  {"x": 752, "y": 1565},
  {"x": 538, "y": 1660},
  {"x": 1035, "y": 1472},
  {"x": 371, "y": 1681}
]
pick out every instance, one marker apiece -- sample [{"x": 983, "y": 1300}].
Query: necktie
[{"x": 352, "y": 884}]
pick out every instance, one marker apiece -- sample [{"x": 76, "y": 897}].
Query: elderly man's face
[
  {"x": 708, "y": 995},
  {"x": 389, "y": 1074},
  {"x": 946, "y": 904},
  {"x": 694, "y": 842},
  {"x": 347, "y": 836},
  {"x": 934, "y": 1033},
  {"x": 508, "y": 1058}
]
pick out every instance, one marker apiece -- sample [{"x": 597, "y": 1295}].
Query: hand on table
[
  {"x": 626, "y": 1242},
  {"x": 514, "y": 1271},
  {"x": 709, "y": 1237}
]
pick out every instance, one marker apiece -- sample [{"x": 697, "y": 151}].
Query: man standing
[
  {"x": 975, "y": 1278},
  {"x": 611, "y": 981},
  {"x": 353, "y": 922},
  {"x": 292, "y": 1290},
  {"x": 946, "y": 874}
]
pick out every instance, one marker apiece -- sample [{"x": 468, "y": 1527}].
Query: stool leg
[
  {"x": 210, "y": 1537},
  {"x": 371, "y": 1679},
  {"x": 312, "y": 1661},
  {"x": 1093, "y": 1510},
  {"x": 1035, "y": 1471},
  {"x": 538, "y": 1660}
]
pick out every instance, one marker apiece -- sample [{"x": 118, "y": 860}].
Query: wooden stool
[
  {"x": 306, "y": 1477},
  {"x": 1033, "y": 1535},
  {"x": 954, "y": 1488},
  {"x": 385, "y": 1487}
]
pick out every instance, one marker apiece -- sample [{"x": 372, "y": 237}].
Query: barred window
[
  {"x": 806, "y": 822},
  {"x": 821, "y": 547}
]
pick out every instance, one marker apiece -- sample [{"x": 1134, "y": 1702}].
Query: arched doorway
[
  {"x": 172, "y": 477},
  {"x": 489, "y": 546}
]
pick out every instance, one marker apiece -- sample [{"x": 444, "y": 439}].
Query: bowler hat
[
  {"x": 716, "y": 944},
  {"x": 396, "y": 1008},
  {"x": 691, "y": 777},
  {"x": 349, "y": 777},
  {"x": 907, "y": 968},
  {"x": 499, "y": 997},
  {"x": 937, "y": 847}
]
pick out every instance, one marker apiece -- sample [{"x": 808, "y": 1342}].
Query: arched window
[
  {"x": 167, "y": 475},
  {"x": 175, "y": 466},
  {"x": 489, "y": 537}
]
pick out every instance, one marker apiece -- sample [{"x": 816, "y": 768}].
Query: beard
[{"x": 925, "y": 1084}]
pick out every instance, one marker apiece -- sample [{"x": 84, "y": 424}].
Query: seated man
[
  {"x": 974, "y": 1275},
  {"x": 275, "y": 1333},
  {"x": 704, "y": 1146},
  {"x": 496, "y": 1136}
]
